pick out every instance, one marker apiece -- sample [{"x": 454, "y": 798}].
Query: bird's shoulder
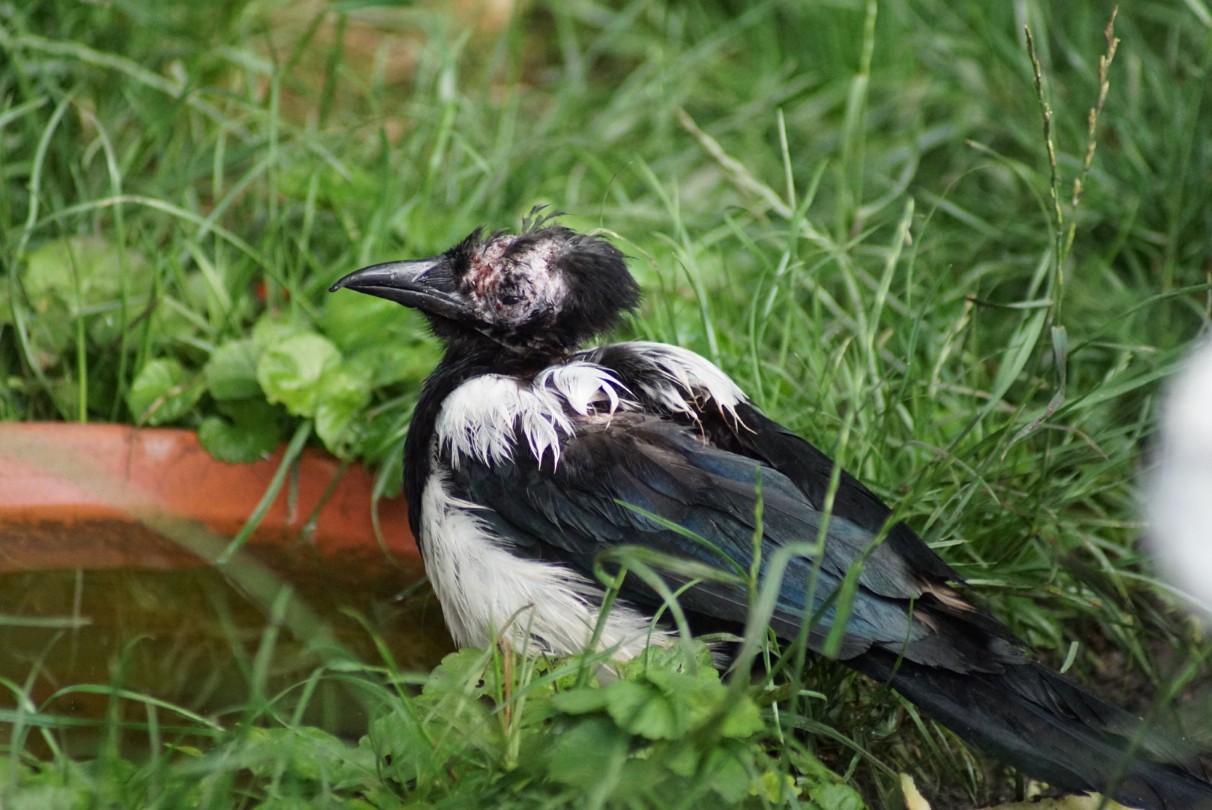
[{"x": 492, "y": 416}]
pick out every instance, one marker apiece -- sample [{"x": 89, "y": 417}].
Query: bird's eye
[{"x": 509, "y": 298}]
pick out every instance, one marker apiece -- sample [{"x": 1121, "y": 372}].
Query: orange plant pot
[{"x": 112, "y": 496}]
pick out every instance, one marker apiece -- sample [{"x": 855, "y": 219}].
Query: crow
[{"x": 529, "y": 455}]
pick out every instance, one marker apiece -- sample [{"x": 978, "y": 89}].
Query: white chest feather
[{"x": 487, "y": 592}]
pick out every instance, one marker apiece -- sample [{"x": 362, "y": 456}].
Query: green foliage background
[{"x": 851, "y": 206}]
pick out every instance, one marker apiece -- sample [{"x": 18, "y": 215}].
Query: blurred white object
[{"x": 1179, "y": 494}]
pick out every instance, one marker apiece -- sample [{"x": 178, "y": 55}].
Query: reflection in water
[{"x": 195, "y": 640}]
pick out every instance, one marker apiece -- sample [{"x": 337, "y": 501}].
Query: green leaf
[
  {"x": 584, "y": 700},
  {"x": 269, "y": 331},
  {"x": 51, "y": 332},
  {"x": 304, "y": 752},
  {"x": 83, "y": 271},
  {"x": 744, "y": 719},
  {"x": 463, "y": 672},
  {"x": 836, "y": 796},
  {"x": 643, "y": 710},
  {"x": 701, "y": 698},
  {"x": 162, "y": 392},
  {"x": 379, "y": 335},
  {"x": 824, "y": 788},
  {"x": 231, "y": 371},
  {"x": 66, "y": 278},
  {"x": 772, "y": 785},
  {"x": 398, "y": 741},
  {"x": 290, "y": 372},
  {"x": 729, "y": 777},
  {"x": 341, "y": 399},
  {"x": 255, "y": 430},
  {"x": 398, "y": 362},
  {"x": 360, "y": 321},
  {"x": 582, "y": 754}
]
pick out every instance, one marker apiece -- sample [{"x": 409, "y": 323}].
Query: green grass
[{"x": 850, "y": 207}]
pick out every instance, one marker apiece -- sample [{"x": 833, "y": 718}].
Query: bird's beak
[{"x": 426, "y": 284}]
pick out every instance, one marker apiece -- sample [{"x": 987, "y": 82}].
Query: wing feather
[{"x": 627, "y": 480}]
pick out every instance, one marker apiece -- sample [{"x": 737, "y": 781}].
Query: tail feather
[{"x": 1049, "y": 728}]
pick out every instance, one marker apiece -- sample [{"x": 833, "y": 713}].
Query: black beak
[{"x": 426, "y": 284}]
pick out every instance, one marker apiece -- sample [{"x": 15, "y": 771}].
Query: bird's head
[{"x": 544, "y": 290}]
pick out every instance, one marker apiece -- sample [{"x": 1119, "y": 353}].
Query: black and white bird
[{"x": 529, "y": 455}]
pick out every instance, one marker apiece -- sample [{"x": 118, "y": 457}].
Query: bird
[{"x": 531, "y": 453}]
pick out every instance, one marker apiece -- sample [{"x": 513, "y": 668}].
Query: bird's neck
[
  {"x": 463, "y": 360},
  {"x": 477, "y": 354}
]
